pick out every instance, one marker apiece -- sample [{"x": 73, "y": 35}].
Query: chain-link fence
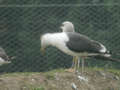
[{"x": 22, "y": 25}]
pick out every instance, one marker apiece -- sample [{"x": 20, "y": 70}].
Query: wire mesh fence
[{"x": 22, "y": 25}]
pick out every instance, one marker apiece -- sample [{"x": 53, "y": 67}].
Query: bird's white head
[
  {"x": 44, "y": 42},
  {"x": 67, "y": 26}
]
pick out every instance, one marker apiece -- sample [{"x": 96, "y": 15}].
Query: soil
[{"x": 94, "y": 80}]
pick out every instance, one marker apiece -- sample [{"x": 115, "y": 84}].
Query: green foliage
[
  {"x": 38, "y": 88},
  {"x": 115, "y": 71},
  {"x": 51, "y": 74}
]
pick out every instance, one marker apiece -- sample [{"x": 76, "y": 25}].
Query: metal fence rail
[{"x": 22, "y": 25}]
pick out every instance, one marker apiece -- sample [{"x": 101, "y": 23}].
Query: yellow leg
[
  {"x": 72, "y": 69},
  {"x": 82, "y": 65},
  {"x": 76, "y": 63},
  {"x": 73, "y": 62}
]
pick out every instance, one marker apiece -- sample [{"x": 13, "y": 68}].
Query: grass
[
  {"x": 38, "y": 88},
  {"x": 19, "y": 73},
  {"x": 114, "y": 71},
  {"x": 51, "y": 74}
]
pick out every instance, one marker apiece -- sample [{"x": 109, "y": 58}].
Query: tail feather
[{"x": 102, "y": 57}]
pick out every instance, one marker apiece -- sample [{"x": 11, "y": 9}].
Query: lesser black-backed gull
[
  {"x": 4, "y": 58},
  {"x": 75, "y": 44}
]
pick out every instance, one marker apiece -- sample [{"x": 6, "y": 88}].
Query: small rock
[
  {"x": 56, "y": 76},
  {"x": 24, "y": 87},
  {"x": 33, "y": 79},
  {"x": 74, "y": 87},
  {"x": 116, "y": 78},
  {"x": 101, "y": 73},
  {"x": 81, "y": 78}
]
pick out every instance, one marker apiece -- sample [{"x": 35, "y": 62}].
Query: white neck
[{"x": 54, "y": 39}]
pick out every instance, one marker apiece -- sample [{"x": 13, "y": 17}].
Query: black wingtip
[{"x": 106, "y": 58}]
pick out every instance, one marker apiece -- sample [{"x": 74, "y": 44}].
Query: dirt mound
[{"x": 60, "y": 80}]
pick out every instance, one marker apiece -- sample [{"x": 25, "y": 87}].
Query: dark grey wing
[{"x": 80, "y": 43}]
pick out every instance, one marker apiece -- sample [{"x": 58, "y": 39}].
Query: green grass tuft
[
  {"x": 38, "y": 88},
  {"x": 115, "y": 71},
  {"x": 51, "y": 74},
  {"x": 19, "y": 73}
]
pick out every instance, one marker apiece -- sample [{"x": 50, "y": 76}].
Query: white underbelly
[{"x": 64, "y": 49}]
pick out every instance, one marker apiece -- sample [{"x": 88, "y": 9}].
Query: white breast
[{"x": 59, "y": 40}]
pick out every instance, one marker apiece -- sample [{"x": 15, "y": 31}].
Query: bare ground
[{"x": 61, "y": 80}]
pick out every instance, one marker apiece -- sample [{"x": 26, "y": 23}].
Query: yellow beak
[{"x": 42, "y": 50}]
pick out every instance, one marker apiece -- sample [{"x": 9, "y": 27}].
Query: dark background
[{"x": 23, "y": 21}]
